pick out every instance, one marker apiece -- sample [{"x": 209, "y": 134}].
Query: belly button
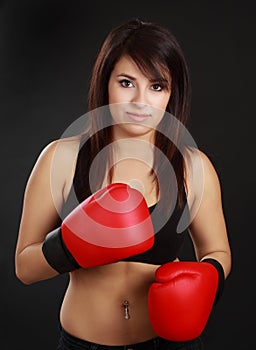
[{"x": 125, "y": 305}]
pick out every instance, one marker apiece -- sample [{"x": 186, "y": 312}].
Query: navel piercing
[{"x": 126, "y": 309}]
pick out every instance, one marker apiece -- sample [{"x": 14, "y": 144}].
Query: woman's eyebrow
[
  {"x": 153, "y": 80},
  {"x": 159, "y": 80},
  {"x": 126, "y": 75}
]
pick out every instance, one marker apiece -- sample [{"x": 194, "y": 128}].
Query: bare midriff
[{"x": 108, "y": 304}]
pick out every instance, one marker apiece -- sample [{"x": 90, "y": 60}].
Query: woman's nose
[{"x": 139, "y": 98}]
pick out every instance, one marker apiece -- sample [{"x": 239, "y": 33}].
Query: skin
[
  {"x": 135, "y": 94},
  {"x": 92, "y": 309}
]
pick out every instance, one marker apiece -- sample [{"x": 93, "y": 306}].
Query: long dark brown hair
[{"x": 156, "y": 51}]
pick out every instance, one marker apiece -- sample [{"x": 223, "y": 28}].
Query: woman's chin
[{"x": 133, "y": 130}]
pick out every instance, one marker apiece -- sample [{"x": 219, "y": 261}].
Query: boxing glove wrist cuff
[
  {"x": 57, "y": 254},
  {"x": 220, "y": 270}
]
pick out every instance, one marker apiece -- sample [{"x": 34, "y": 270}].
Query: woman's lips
[{"x": 138, "y": 117}]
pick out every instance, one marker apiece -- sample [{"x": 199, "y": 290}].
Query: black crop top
[{"x": 168, "y": 241}]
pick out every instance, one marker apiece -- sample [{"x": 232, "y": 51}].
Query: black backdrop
[{"x": 47, "y": 51}]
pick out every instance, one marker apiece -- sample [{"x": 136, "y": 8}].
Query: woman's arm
[
  {"x": 208, "y": 228},
  {"x": 43, "y": 200}
]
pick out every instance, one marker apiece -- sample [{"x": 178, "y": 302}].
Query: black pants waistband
[{"x": 68, "y": 341}]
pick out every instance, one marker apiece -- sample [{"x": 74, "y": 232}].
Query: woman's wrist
[{"x": 221, "y": 274}]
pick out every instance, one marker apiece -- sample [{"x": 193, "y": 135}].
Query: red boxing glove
[
  {"x": 181, "y": 299},
  {"x": 112, "y": 224}
]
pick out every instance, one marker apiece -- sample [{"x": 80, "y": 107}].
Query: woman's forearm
[{"x": 31, "y": 265}]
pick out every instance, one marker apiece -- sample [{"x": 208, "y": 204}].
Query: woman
[{"x": 141, "y": 74}]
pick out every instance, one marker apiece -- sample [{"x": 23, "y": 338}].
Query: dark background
[{"x": 47, "y": 50}]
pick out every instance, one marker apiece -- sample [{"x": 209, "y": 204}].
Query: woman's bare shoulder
[
  {"x": 200, "y": 175},
  {"x": 197, "y": 161},
  {"x": 69, "y": 144},
  {"x": 57, "y": 158},
  {"x": 63, "y": 153},
  {"x": 59, "y": 150}
]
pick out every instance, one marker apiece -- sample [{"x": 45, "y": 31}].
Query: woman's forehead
[{"x": 137, "y": 65}]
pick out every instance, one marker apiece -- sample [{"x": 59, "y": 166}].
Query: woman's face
[{"x": 137, "y": 103}]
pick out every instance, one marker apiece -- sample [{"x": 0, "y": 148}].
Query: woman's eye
[
  {"x": 157, "y": 87},
  {"x": 125, "y": 83}
]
